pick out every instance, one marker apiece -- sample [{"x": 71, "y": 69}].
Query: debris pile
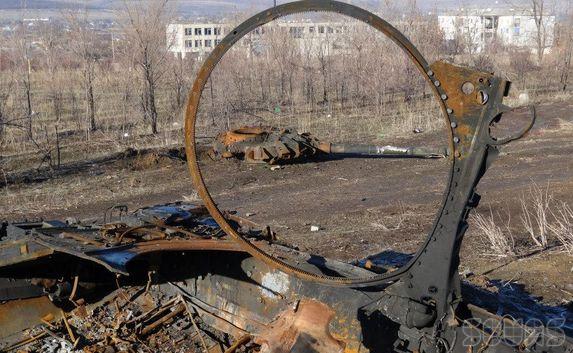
[
  {"x": 136, "y": 319},
  {"x": 52, "y": 281}
]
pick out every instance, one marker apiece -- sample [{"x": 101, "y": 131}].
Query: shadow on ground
[{"x": 501, "y": 297}]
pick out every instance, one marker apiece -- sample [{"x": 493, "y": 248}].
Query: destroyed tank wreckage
[
  {"x": 250, "y": 293},
  {"x": 271, "y": 145}
]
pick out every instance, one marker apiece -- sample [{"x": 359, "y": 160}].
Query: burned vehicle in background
[
  {"x": 271, "y": 145},
  {"x": 195, "y": 278}
]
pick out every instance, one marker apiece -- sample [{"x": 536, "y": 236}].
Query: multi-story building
[
  {"x": 478, "y": 29},
  {"x": 201, "y": 38},
  {"x": 471, "y": 30},
  {"x": 198, "y": 38}
]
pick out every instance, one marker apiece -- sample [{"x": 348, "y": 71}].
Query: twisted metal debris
[
  {"x": 174, "y": 278},
  {"x": 271, "y": 145}
]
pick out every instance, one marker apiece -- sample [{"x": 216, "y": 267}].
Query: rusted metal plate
[
  {"x": 15, "y": 252},
  {"x": 19, "y": 315},
  {"x": 303, "y": 328}
]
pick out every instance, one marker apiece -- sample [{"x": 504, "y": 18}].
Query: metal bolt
[
  {"x": 449, "y": 110},
  {"x": 430, "y": 73},
  {"x": 456, "y": 139},
  {"x": 453, "y": 125},
  {"x": 444, "y": 97},
  {"x": 437, "y": 83}
]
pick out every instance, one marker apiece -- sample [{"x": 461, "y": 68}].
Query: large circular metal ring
[{"x": 195, "y": 98}]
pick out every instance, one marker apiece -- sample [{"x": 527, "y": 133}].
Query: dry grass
[
  {"x": 535, "y": 215},
  {"x": 547, "y": 221},
  {"x": 499, "y": 240},
  {"x": 562, "y": 226}
]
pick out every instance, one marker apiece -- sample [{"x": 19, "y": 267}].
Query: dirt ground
[{"x": 362, "y": 206}]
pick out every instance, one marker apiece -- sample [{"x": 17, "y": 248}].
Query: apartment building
[
  {"x": 475, "y": 28},
  {"x": 478, "y": 29},
  {"x": 197, "y": 38},
  {"x": 201, "y": 38}
]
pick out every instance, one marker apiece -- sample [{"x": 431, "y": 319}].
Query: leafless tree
[
  {"x": 144, "y": 25},
  {"x": 567, "y": 49},
  {"x": 521, "y": 63},
  {"x": 538, "y": 12},
  {"x": 50, "y": 42},
  {"x": 23, "y": 65},
  {"x": 6, "y": 87},
  {"x": 83, "y": 47}
]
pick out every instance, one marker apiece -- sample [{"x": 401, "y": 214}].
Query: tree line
[{"x": 68, "y": 83}]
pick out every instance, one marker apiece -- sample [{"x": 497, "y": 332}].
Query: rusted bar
[
  {"x": 182, "y": 301},
  {"x": 26, "y": 341},
  {"x": 68, "y": 328},
  {"x": 81, "y": 238},
  {"x": 238, "y": 343},
  {"x": 178, "y": 309}
]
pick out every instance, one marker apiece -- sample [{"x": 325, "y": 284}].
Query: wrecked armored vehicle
[
  {"x": 271, "y": 145},
  {"x": 191, "y": 278}
]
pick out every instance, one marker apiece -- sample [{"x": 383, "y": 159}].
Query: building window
[
  {"x": 321, "y": 29},
  {"x": 208, "y": 43},
  {"x": 296, "y": 32},
  {"x": 197, "y": 43},
  {"x": 311, "y": 29},
  {"x": 516, "y": 26},
  {"x": 197, "y": 31},
  {"x": 188, "y": 44},
  {"x": 208, "y": 31},
  {"x": 488, "y": 22},
  {"x": 188, "y": 31},
  {"x": 217, "y": 41},
  {"x": 217, "y": 31},
  {"x": 329, "y": 29}
]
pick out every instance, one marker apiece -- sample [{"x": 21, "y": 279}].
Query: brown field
[{"x": 362, "y": 206}]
